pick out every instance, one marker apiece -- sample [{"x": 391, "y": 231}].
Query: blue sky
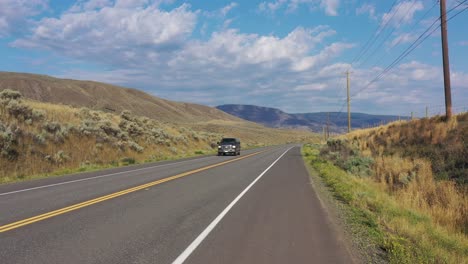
[{"x": 288, "y": 54}]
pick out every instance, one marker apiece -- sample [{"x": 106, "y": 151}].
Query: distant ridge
[
  {"x": 273, "y": 117},
  {"x": 106, "y": 97}
]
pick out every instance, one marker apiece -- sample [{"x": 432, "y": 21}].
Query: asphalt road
[{"x": 256, "y": 208}]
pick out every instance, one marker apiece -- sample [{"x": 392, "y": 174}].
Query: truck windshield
[{"x": 228, "y": 140}]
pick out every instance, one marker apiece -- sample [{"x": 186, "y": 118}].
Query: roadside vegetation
[
  {"x": 39, "y": 139},
  {"x": 406, "y": 184}
]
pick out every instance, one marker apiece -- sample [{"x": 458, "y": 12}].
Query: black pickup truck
[{"x": 229, "y": 146}]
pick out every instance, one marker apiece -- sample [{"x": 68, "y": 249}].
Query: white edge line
[
  {"x": 189, "y": 250},
  {"x": 100, "y": 176}
]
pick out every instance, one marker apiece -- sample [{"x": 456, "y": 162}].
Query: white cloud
[
  {"x": 15, "y": 13},
  {"x": 329, "y": 6},
  {"x": 142, "y": 54},
  {"x": 221, "y": 12},
  {"x": 402, "y": 13},
  {"x": 90, "y": 5},
  {"x": 311, "y": 87},
  {"x": 113, "y": 34},
  {"x": 402, "y": 39},
  {"x": 420, "y": 72},
  {"x": 271, "y": 6},
  {"x": 225, "y": 10},
  {"x": 130, "y": 3},
  {"x": 367, "y": 9},
  {"x": 154, "y": 49}
]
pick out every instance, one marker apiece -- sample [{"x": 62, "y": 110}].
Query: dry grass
[
  {"x": 416, "y": 223},
  {"x": 41, "y": 138},
  {"x": 422, "y": 163}
]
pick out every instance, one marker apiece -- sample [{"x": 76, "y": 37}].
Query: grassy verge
[
  {"x": 406, "y": 236},
  {"x": 96, "y": 167}
]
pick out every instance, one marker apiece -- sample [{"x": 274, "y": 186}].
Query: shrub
[
  {"x": 88, "y": 127},
  {"x": 8, "y": 94},
  {"x": 9, "y": 141},
  {"x": 158, "y": 133},
  {"x": 109, "y": 129},
  {"x": 134, "y": 130},
  {"x": 173, "y": 150},
  {"x": 19, "y": 110},
  {"x": 121, "y": 145},
  {"x": 84, "y": 112},
  {"x": 60, "y": 157},
  {"x": 40, "y": 139},
  {"x": 38, "y": 115},
  {"x": 134, "y": 146},
  {"x": 128, "y": 161},
  {"x": 358, "y": 165},
  {"x": 126, "y": 115},
  {"x": 51, "y": 127}
]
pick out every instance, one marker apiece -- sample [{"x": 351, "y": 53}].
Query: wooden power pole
[
  {"x": 445, "y": 58},
  {"x": 349, "y": 101}
]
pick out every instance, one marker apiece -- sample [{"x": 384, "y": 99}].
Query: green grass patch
[{"x": 406, "y": 236}]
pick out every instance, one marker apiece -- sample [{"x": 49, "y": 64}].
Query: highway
[{"x": 255, "y": 208}]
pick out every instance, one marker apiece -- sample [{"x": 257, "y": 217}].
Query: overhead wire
[
  {"x": 373, "y": 37},
  {"x": 410, "y": 31},
  {"x": 410, "y": 49},
  {"x": 382, "y": 42}
]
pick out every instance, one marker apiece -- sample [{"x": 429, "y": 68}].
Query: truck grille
[{"x": 227, "y": 148}]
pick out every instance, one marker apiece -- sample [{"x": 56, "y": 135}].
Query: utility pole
[
  {"x": 349, "y": 101},
  {"x": 328, "y": 125},
  {"x": 427, "y": 112},
  {"x": 445, "y": 58}
]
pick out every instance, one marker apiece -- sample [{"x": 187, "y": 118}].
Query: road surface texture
[{"x": 255, "y": 208}]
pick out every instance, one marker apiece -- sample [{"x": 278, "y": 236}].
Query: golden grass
[
  {"x": 399, "y": 151},
  {"x": 413, "y": 224},
  {"x": 75, "y": 151}
]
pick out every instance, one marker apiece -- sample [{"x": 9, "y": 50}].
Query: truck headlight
[
  {"x": 219, "y": 146},
  {"x": 233, "y": 146}
]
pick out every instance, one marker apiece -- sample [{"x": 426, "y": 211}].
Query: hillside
[
  {"x": 39, "y": 138},
  {"x": 273, "y": 117},
  {"x": 106, "y": 97},
  {"x": 410, "y": 180}
]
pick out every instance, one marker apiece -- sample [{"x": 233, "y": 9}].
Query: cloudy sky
[{"x": 289, "y": 54}]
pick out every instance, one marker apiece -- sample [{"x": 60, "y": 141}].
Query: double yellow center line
[{"x": 74, "y": 207}]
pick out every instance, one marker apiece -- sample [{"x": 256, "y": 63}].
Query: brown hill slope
[{"x": 106, "y": 97}]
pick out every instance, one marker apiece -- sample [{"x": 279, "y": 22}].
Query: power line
[
  {"x": 391, "y": 32},
  {"x": 372, "y": 38},
  {"x": 401, "y": 39},
  {"x": 412, "y": 47}
]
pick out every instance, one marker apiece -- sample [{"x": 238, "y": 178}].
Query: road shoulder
[{"x": 354, "y": 237}]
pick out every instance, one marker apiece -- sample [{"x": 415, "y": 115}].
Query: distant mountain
[
  {"x": 273, "y": 117},
  {"x": 106, "y": 97}
]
